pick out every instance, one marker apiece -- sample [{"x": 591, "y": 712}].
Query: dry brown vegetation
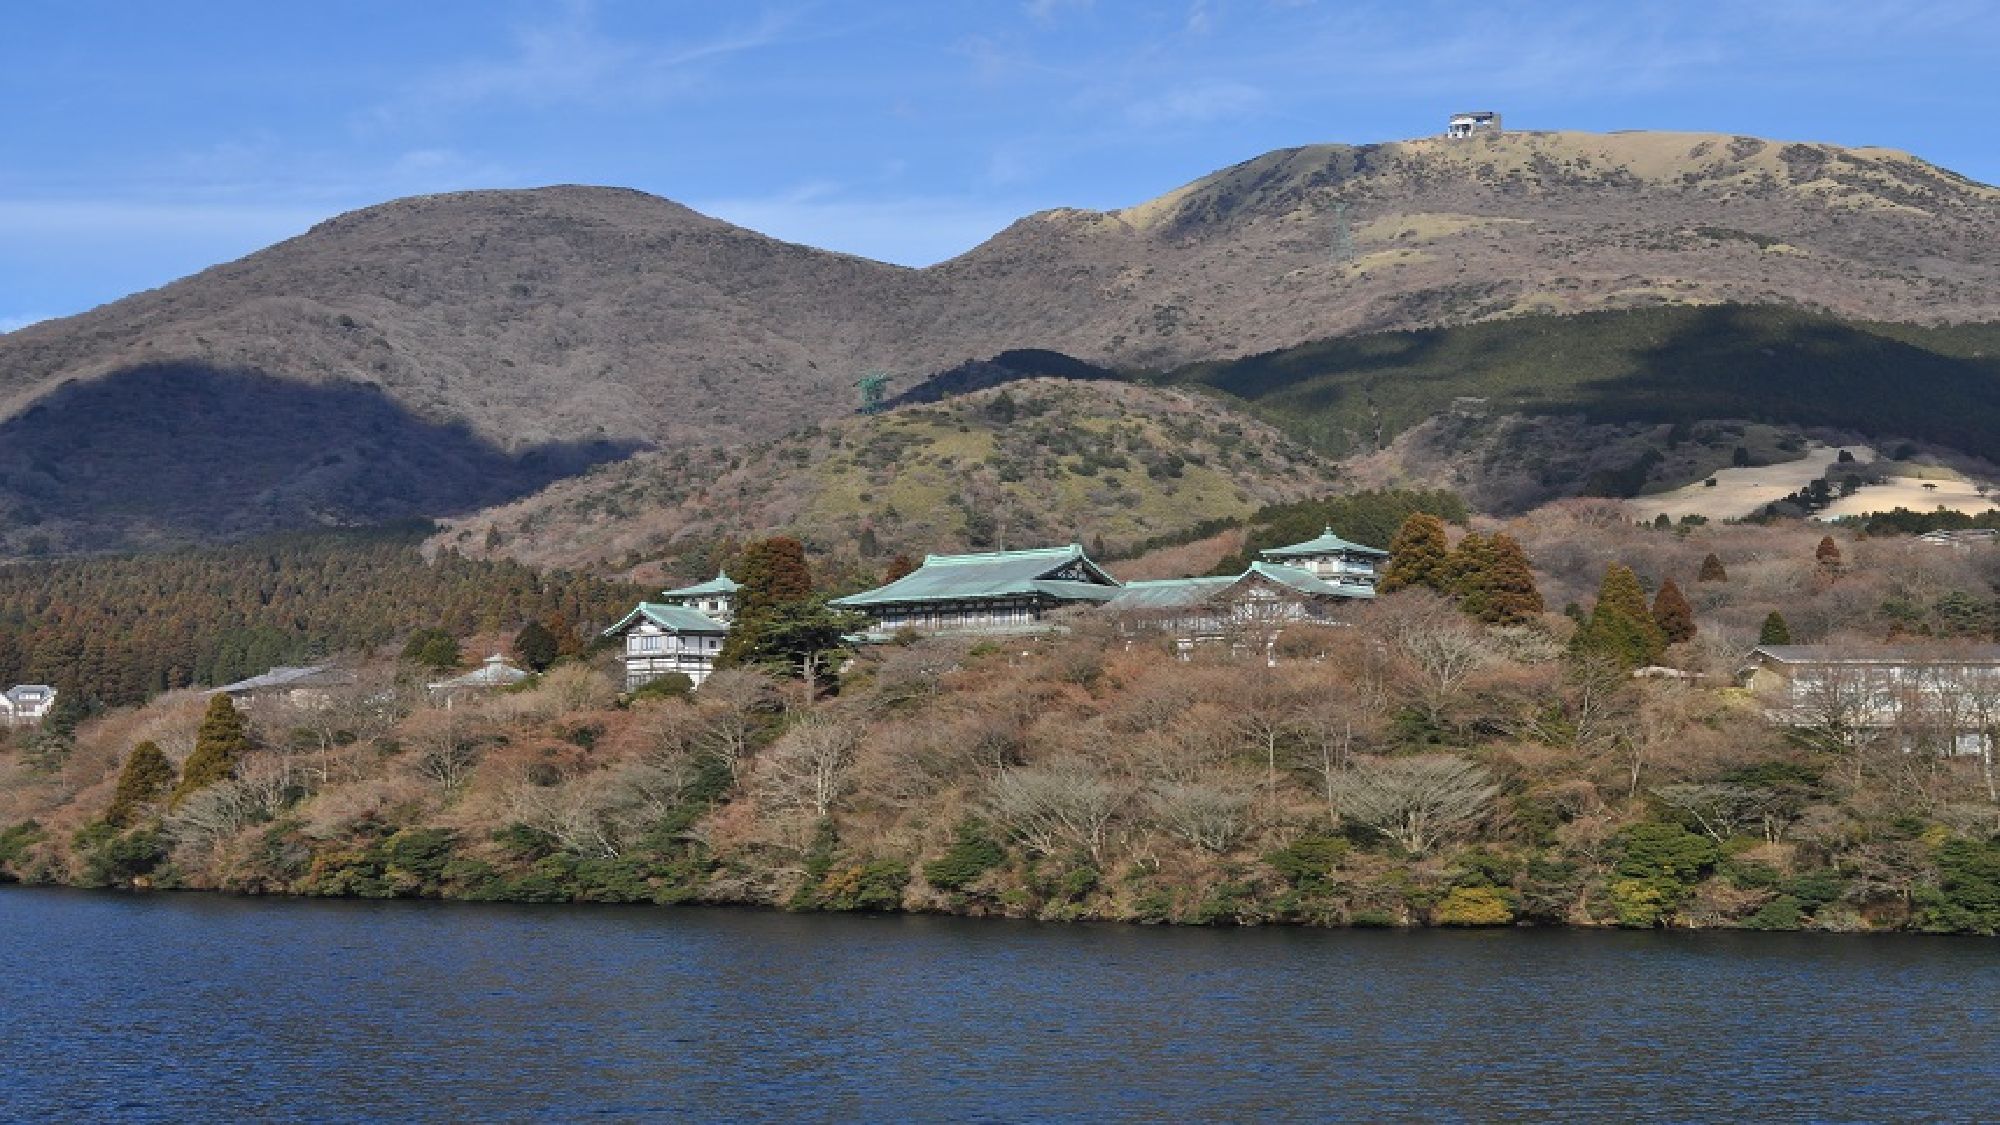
[{"x": 1407, "y": 766}]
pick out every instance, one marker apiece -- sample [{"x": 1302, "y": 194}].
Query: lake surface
[{"x": 203, "y": 1007}]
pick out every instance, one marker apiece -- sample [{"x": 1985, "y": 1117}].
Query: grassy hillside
[
  {"x": 1761, "y": 363},
  {"x": 1037, "y": 462}
]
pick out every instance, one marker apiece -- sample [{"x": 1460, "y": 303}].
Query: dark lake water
[{"x": 197, "y": 1007}]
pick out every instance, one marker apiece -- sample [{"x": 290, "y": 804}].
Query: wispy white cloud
[
  {"x": 1199, "y": 104},
  {"x": 1045, "y": 11},
  {"x": 569, "y": 60}
]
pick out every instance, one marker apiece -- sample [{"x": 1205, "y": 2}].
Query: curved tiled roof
[
  {"x": 672, "y": 618},
  {"x": 991, "y": 574},
  {"x": 720, "y": 584},
  {"x": 1327, "y": 544}
]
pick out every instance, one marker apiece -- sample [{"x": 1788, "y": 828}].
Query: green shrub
[
  {"x": 973, "y": 853},
  {"x": 875, "y": 885},
  {"x": 1967, "y": 898},
  {"x": 1308, "y": 861},
  {"x": 1781, "y": 913},
  {"x": 1473, "y": 906}
]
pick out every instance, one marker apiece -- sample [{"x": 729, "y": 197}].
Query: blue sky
[{"x": 145, "y": 141}]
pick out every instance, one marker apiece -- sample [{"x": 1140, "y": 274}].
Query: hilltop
[
  {"x": 1040, "y": 461},
  {"x": 524, "y": 335}
]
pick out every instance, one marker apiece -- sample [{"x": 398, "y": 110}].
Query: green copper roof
[
  {"x": 1306, "y": 582},
  {"x": 1171, "y": 593},
  {"x": 672, "y": 618},
  {"x": 1327, "y": 544},
  {"x": 1185, "y": 593},
  {"x": 720, "y": 584},
  {"x": 1061, "y": 573}
]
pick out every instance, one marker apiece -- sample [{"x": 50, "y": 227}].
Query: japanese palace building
[
  {"x": 682, "y": 632},
  {"x": 998, "y": 591},
  {"x": 1011, "y": 592}
]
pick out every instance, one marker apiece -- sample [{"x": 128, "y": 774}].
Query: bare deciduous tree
[
  {"x": 1065, "y": 806},
  {"x": 806, "y": 770},
  {"x": 603, "y": 812},
  {"x": 447, "y": 745},
  {"x": 736, "y": 705},
  {"x": 1209, "y": 816},
  {"x": 214, "y": 814},
  {"x": 1417, "y": 802}
]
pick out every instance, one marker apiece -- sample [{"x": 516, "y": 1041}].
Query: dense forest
[
  {"x": 1669, "y": 364},
  {"x": 111, "y": 631}
]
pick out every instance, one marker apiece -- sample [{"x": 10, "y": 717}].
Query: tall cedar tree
[
  {"x": 219, "y": 747},
  {"x": 1673, "y": 614},
  {"x": 1827, "y": 554},
  {"x": 1621, "y": 627},
  {"x": 772, "y": 572},
  {"x": 775, "y": 581},
  {"x": 1469, "y": 568},
  {"x": 147, "y": 776},
  {"x": 1512, "y": 597},
  {"x": 1712, "y": 570},
  {"x": 1419, "y": 555},
  {"x": 1775, "y": 631}
]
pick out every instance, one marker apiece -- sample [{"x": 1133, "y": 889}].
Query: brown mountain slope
[
  {"x": 1037, "y": 462},
  {"x": 550, "y": 328},
  {"x": 1444, "y": 232}
]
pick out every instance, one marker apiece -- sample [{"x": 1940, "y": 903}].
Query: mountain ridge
[{"x": 577, "y": 316}]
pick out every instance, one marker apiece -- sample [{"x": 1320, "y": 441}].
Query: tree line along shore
[{"x": 1462, "y": 751}]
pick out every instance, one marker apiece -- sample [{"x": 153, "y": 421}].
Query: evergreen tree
[
  {"x": 1712, "y": 570},
  {"x": 776, "y": 585},
  {"x": 1470, "y": 571},
  {"x": 1419, "y": 555},
  {"x": 1621, "y": 628},
  {"x": 801, "y": 639},
  {"x": 433, "y": 648},
  {"x": 220, "y": 745},
  {"x": 772, "y": 572},
  {"x": 1511, "y": 595},
  {"x": 1775, "y": 631},
  {"x": 536, "y": 646},
  {"x": 1673, "y": 614},
  {"x": 147, "y": 776},
  {"x": 1827, "y": 554}
]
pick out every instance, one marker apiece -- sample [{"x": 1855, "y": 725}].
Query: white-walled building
[
  {"x": 26, "y": 704},
  {"x": 660, "y": 638}
]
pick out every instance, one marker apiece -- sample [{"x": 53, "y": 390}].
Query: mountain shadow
[
  {"x": 162, "y": 455},
  {"x": 1007, "y": 367},
  {"x": 1669, "y": 364}
]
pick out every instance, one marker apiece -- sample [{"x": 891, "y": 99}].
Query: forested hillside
[
  {"x": 115, "y": 630},
  {"x": 1669, "y": 364}
]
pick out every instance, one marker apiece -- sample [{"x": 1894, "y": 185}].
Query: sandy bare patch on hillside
[
  {"x": 1908, "y": 492},
  {"x": 1741, "y": 492}
]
